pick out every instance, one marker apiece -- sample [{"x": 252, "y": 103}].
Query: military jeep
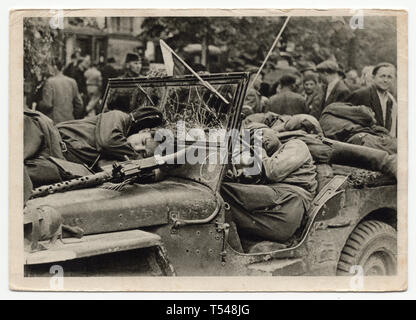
[{"x": 179, "y": 226}]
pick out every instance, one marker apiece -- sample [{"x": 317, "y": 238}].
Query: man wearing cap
[
  {"x": 336, "y": 90},
  {"x": 378, "y": 97},
  {"x": 133, "y": 66},
  {"x": 287, "y": 101}
]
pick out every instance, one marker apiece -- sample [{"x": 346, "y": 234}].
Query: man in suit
[
  {"x": 336, "y": 90},
  {"x": 378, "y": 98},
  {"x": 61, "y": 100},
  {"x": 287, "y": 101}
]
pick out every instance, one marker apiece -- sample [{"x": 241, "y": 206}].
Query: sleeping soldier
[
  {"x": 105, "y": 136},
  {"x": 272, "y": 206}
]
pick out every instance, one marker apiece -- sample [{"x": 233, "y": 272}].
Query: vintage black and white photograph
[{"x": 207, "y": 145}]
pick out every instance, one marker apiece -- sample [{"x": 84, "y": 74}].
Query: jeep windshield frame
[{"x": 186, "y": 99}]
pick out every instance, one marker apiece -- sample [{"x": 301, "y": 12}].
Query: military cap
[
  {"x": 131, "y": 56},
  {"x": 146, "y": 117}
]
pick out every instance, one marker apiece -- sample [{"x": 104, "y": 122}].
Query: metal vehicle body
[{"x": 178, "y": 226}]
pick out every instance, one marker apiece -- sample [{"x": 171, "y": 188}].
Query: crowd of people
[
  {"x": 75, "y": 90},
  {"x": 309, "y": 90}
]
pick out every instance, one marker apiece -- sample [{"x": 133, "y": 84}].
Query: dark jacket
[
  {"x": 70, "y": 70},
  {"x": 108, "y": 72},
  {"x": 314, "y": 103},
  {"x": 368, "y": 97},
  {"x": 339, "y": 93},
  {"x": 288, "y": 102},
  {"x": 104, "y": 135},
  {"x": 79, "y": 77},
  {"x": 60, "y": 99}
]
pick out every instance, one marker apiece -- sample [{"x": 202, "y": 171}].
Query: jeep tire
[{"x": 373, "y": 246}]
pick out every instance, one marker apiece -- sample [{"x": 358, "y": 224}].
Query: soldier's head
[
  {"x": 383, "y": 75},
  {"x": 133, "y": 63},
  {"x": 144, "y": 142},
  {"x": 270, "y": 141}
]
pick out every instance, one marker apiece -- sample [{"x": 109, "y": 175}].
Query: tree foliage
[
  {"x": 39, "y": 43},
  {"x": 242, "y": 35},
  {"x": 249, "y": 38}
]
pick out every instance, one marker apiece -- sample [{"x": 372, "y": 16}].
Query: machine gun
[{"x": 142, "y": 170}]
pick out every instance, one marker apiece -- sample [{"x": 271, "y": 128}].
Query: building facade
[{"x": 102, "y": 37}]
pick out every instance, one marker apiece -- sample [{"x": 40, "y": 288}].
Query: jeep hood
[{"x": 98, "y": 210}]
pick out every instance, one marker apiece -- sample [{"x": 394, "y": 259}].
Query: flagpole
[
  {"x": 205, "y": 83},
  {"x": 271, "y": 49}
]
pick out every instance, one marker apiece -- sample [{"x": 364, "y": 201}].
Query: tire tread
[{"x": 357, "y": 241}]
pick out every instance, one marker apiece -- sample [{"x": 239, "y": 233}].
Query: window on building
[
  {"x": 122, "y": 24},
  {"x": 126, "y": 24},
  {"x": 116, "y": 24}
]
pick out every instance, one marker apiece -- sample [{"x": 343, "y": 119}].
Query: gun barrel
[{"x": 77, "y": 183}]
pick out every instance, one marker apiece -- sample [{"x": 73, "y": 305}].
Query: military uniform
[
  {"x": 273, "y": 206},
  {"x": 104, "y": 135}
]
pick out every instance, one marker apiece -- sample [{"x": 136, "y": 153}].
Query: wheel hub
[{"x": 378, "y": 264}]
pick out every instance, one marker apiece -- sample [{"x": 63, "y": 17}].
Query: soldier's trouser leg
[
  {"x": 275, "y": 224},
  {"x": 363, "y": 157},
  {"x": 386, "y": 143}
]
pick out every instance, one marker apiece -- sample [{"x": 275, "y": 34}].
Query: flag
[
  {"x": 172, "y": 64},
  {"x": 175, "y": 65}
]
